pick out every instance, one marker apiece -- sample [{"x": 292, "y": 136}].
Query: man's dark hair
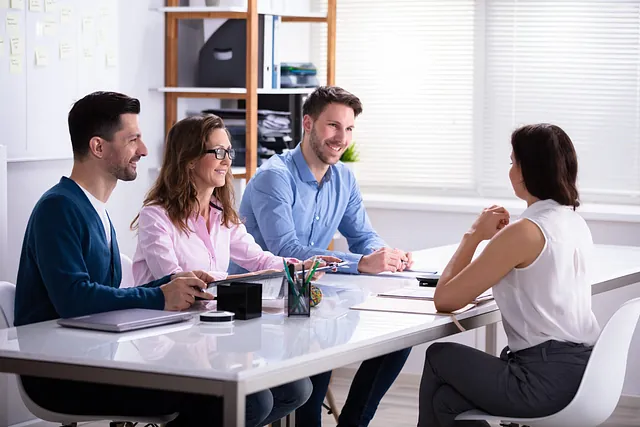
[
  {"x": 98, "y": 114},
  {"x": 318, "y": 100},
  {"x": 548, "y": 162}
]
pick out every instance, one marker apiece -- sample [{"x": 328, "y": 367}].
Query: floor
[{"x": 399, "y": 408}]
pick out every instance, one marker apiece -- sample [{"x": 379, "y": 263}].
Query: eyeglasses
[{"x": 220, "y": 152}]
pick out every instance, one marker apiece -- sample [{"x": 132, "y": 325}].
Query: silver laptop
[{"x": 125, "y": 320}]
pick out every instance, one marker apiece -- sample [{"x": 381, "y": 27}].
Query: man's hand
[
  {"x": 181, "y": 292},
  {"x": 406, "y": 265},
  {"x": 384, "y": 259}
]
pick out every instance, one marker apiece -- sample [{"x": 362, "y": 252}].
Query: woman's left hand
[{"x": 490, "y": 221}]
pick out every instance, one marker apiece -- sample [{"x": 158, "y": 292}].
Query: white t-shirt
[
  {"x": 101, "y": 209},
  {"x": 551, "y": 298}
]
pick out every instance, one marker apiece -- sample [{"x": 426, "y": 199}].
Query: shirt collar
[
  {"x": 541, "y": 205},
  {"x": 303, "y": 168}
]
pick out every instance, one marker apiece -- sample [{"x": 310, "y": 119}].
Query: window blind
[
  {"x": 411, "y": 62},
  {"x": 572, "y": 63},
  {"x": 444, "y": 83}
]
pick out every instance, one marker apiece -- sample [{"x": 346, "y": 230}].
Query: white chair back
[
  {"x": 127, "y": 272},
  {"x": 7, "y": 301},
  {"x": 601, "y": 385}
]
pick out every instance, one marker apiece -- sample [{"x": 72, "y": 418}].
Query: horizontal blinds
[
  {"x": 572, "y": 63},
  {"x": 411, "y": 62}
]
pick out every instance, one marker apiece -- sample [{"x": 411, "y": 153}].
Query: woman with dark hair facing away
[
  {"x": 188, "y": 218},
  {"x": 538, "y": 268}
]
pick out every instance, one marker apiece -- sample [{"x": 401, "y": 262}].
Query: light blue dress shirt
[{"x": 292, "y": 215}]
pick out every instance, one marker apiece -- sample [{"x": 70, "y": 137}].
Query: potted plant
[{"x": 351, "y": 157}]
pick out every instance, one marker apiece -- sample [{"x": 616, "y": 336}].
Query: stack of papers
[
  {"x": 404, "y": 306},
  {"x": 426, "y": 293}
]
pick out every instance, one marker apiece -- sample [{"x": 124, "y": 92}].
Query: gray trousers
[{"x": 533, "y": 382}]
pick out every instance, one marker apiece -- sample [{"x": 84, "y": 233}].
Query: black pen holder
[
  {"x": 241, "y": 298},
  {"x": 298, "y": 298}
]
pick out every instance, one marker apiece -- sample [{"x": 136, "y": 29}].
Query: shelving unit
[{"x": 173, "y": 13}]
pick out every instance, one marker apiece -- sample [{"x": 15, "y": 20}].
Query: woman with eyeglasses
[{"x": 188, "y": 222}]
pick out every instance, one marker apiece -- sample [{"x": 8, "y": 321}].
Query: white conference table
[{"x": 248, "y": 356}]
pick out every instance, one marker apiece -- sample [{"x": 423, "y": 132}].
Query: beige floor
[{"x": 399, "y": 408}]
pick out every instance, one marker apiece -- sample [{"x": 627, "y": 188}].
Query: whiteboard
[{"x": 53, "y": 52}]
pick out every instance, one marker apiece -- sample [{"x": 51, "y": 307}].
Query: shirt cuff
[{"x": 354, "y": 260}]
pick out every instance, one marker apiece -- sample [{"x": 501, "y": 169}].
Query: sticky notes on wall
[
  {"x": 36, "y": 6},
  {"x": 112, "y": 58},
  {"x": 13, "y": 23},
  {"x": 88, "y": 25},
  {"x": 50, "y": 5},
  {"x": 15, "y": 64},
  {"x": 17, "y": 4},
  {"x": 66, "y": 50},
  {"x": 42, "y": 57},
  {"x": 50, "y": 27},
  {"x": 16, "y": 45},
  {"x": 65, "y": 15}
]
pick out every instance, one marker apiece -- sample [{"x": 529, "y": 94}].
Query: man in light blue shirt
[{"x": 294, "y": 205}]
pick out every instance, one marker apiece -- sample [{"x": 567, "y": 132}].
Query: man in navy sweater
[{"x": 70, "y": 263}]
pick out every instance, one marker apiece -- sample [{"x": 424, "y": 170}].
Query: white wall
[{"x": 412, "y": 230}]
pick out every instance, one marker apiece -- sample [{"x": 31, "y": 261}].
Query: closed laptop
[{"x": 125, "y": 320}]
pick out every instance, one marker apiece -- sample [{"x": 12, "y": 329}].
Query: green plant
[{"x": 351, "y": 154}]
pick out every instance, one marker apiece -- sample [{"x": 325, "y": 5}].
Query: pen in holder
[{"x": 298, "y": 295}]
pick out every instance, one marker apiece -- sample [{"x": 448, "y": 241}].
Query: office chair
[
  {"x": 7, "y": 299},
  {"x": 601, "y": 385}
]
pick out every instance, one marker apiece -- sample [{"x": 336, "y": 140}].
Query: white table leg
[
  {"x": 234, "y": 402},
  {"x": 491, "y": 339}
]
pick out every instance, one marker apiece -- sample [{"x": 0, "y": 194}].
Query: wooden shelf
[
  {"x": 186, "y": 12},
  {"x": 229, "y": 92},
  {"x": 172, "y": 92}
]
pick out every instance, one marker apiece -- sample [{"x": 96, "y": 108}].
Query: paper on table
[
  {"x": 426, "y": 293},
  {"x": 409, "y": 306}
]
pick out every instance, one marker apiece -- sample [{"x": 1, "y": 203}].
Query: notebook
[{"x": 125, "y": 320}]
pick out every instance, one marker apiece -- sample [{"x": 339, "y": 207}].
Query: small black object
[
  {"x": 427, "y": 281},
  {"x": 241, "y": 298},
  {"x": 217, "y": 316}
]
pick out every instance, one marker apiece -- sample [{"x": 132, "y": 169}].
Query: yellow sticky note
[
  {"x": 100, "y": 35},
  {"x": 50, "y": 5},
  {"x": 50, "y": 28},
  {"x": 112, "y": 59},
  {"x": 35, "y": 5},
  {"x": 66, "y": 50},
  {"x": 65, "y": 15},
  {"x": 16, "y": 46},
  {"x": 87, "y": 52},
  {"x": 13, "y": 23},
  {"x": 4, "y": 4},
  {"x": 15, "y": 64},
  {"x": 88, "y": 25},
  {"x": 42, "y": 57},
  {"x": 17, "y": 4}
]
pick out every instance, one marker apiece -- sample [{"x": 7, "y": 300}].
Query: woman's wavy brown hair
[{"x": 175, "y": 189}]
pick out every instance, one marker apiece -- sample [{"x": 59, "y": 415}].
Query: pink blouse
[{"x": 164, "y": 249}]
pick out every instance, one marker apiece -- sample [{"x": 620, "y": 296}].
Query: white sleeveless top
[{"x": 551, "y": 298}]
